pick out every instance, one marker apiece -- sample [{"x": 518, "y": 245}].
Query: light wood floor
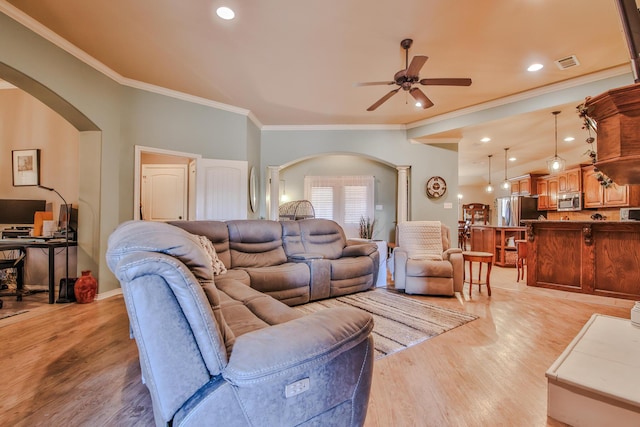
[{"x": 74, "y": 365}]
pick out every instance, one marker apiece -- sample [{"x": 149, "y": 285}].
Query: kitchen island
[
  {"x": 498, "y": 240},
  {"x": 591, "y": 257}
]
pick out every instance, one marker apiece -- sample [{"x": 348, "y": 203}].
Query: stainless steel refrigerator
[{"x": 512, "y": 210}]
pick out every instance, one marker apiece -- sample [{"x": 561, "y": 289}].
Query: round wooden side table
[{"x": 473, "y": 256}]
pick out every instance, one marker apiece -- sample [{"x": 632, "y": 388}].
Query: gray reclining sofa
[
  {"x": 215, "y": 351},
  {"x": 292, "y": 261}
]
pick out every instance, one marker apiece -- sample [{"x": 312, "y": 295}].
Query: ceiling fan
[{"x": 407, "y": 78}]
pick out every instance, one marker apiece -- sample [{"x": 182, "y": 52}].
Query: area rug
[{"x": 399, "y": 321}]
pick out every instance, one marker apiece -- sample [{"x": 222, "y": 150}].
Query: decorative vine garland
[{"x": 588, "y": 124}]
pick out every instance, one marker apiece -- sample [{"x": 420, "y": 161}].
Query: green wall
[
  {"x": 390, "y": 147},
  {"x": 344, "y": 165}
]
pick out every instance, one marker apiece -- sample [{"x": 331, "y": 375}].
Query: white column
[
  {"x": 273, "y": 190},
  {"x": 403, "y": 194}
]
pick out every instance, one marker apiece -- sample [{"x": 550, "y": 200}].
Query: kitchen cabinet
[
  {"x": 570, "y": 181},
  {"x": 552, "y": 193},
  {"x": 548, "y": 193},
  {"x": 596, "y": 196},
  {"x": 500, "y": 241},
  {"x": 523, "y": 185},
  {"x": 543, "y": 194}
]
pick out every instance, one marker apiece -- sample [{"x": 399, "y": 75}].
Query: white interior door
[
  {"x": 222, "y": 189},
  {"x": 164, "y": 192}
]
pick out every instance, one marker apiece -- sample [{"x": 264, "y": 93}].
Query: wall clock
[{"x": 436, "y": 187}]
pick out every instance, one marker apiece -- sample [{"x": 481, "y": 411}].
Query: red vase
[{"x": 85, "y": 287}]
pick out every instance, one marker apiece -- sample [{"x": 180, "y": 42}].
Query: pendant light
[
  {"x": 489, "y": 188},
  {"x": 505, "y": 184},
  {"x": 556, "y": 164}
]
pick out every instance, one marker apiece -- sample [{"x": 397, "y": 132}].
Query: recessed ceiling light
[
  {"x": 535, "y": 67},
  {"x": 225, "y": 13},
  {"x": 418, "y": 104},
  {"x": 569, "y": 139},
  {"x": 485, "y": 139},
  {"x": 512, "y": 159}
]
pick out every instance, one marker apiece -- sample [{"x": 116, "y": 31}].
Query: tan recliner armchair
[{"x": 424, "y": 261}]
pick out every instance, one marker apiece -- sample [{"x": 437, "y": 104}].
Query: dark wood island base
[{"x": 590, "y": 257}]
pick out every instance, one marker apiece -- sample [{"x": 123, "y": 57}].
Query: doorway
[{"x": 215, "y": 189}]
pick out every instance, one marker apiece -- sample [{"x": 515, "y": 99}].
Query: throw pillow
[{"x": 216, "y": 264}]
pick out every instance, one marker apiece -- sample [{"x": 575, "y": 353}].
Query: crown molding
[
  {"x": 332, "y": 127},
  {"x": 523, "y": 96}
]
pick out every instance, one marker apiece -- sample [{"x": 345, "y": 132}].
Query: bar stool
[
  {"x": 473, "y": 256},
  {"x": 521, "y": 260}
]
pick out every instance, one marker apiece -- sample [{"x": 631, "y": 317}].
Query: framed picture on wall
[{"x": 26, "y": 167}]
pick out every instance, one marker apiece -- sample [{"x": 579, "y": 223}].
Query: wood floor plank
[{"x": 75, "y": 365}]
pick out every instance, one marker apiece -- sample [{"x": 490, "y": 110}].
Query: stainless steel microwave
[
  {"x": 630, "y": 214},
  {"x": 570, "y": 201}
]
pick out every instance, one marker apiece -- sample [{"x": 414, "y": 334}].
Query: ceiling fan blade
[
  {"x": 446, "y": 82},
  {"x": 416, "y": 65},
  {"x": 380, "y": 101},
  {"x": 373, "y": 83},
  {"x": 421, "y": 98}
]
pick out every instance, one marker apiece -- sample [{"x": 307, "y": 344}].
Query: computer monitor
[
  {"x": 64, "y": 217},
  {"x": 20, "y": 212}
]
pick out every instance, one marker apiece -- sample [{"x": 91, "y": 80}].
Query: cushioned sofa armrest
[
  {"x": 362, "y": 249},
  {"x": 447, "y": 254},
  {"x": 268, "y": 353}
]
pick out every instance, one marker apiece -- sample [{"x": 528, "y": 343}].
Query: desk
[{"x": 50, "y": 245}]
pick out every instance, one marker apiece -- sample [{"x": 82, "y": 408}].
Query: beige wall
[{"x": 26, "y": 123}]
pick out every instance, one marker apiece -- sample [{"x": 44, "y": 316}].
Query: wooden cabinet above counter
[
  {"x": 597, "y": 196},
  {"x": 584, "y": 179},
  {"x": 524, "y": 185}
]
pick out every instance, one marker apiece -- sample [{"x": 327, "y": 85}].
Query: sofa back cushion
[
  {"x": 255, "y": 243},
  {"x": 421, "y": 239},
  {"x": 316, "y": 236},
  {"x": 142, "y": 251},
  {"x": 216, "y": 231},
  {"x": 149, "y": 236}
]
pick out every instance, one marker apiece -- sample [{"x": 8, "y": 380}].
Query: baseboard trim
[{"x": 109, "y": 294}]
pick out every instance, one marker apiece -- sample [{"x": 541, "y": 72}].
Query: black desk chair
[{"x": 16, "y": 263}]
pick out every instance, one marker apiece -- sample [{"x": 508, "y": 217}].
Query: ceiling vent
[{"x": 568, "y": 62}]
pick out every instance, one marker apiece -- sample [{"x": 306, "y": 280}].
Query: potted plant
[{"x": 366, "y": 227}]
